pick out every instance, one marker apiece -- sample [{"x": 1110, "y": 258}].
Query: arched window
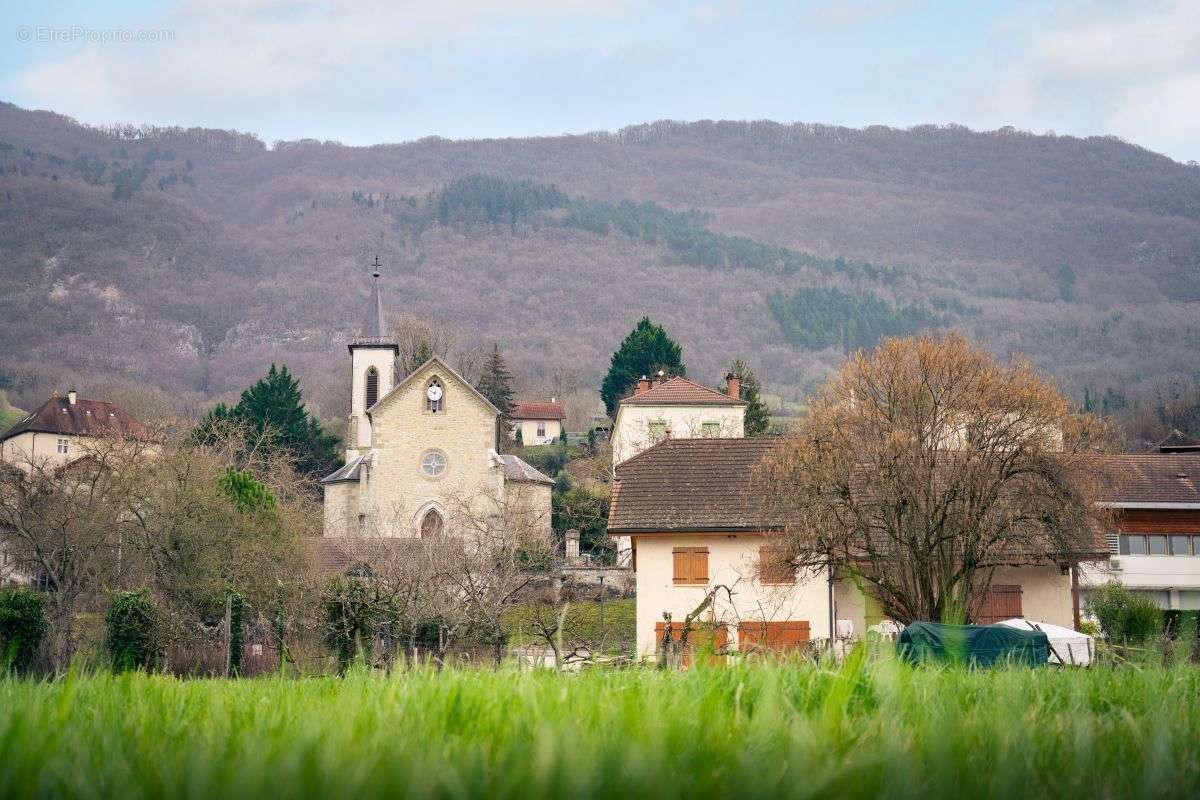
[
  {"x": 432, "y": 524},
  {"x": 435, "y": 396},
  {"x": 372, "y": 386}
]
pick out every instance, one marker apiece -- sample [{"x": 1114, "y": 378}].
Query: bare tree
[
  {"x": 924, "y": 464},
  {"x": 69, "y": 526},
  {"x": 500, "y": 544}
]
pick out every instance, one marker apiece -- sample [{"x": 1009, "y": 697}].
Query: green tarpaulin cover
[{"x": 982, "y": 645}]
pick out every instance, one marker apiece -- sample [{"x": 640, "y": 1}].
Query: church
[{"x": 421, "y": 450}]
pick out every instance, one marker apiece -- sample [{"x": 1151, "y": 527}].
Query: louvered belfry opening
[{"x": 372, "y": 386}]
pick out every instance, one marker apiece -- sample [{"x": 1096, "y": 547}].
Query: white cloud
[
  {"x": 1129, "y": 68},
  {"x": 229, "y": 57}
]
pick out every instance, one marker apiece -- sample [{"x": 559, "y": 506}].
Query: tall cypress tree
[
  {"x": 275, "y": 407},
  {"x": 758, "y": 417},
  {"x": 496, "y": 385},
  {"x": 645, "y": 351}
]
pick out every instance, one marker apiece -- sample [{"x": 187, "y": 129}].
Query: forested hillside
[{"x": 169, "y": 267}]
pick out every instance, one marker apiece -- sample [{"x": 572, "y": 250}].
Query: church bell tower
[{"x": 372, "y": 369}]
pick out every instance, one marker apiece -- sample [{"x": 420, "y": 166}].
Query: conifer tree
[
  {"x": 274, "y": 407},
  {"x": 645, "y": 351},
  {"x": 496, "y": 382},
  {"x": 758, "y": 417}
]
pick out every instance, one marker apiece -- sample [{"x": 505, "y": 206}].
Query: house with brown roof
[
  {"x": 538, "y": 422},
  {"x": 695, "y": 523},
  {"x": 1155, "y": 545},
  {"x": 59, "y": 430},
  {"x": 662, "y": 408}
]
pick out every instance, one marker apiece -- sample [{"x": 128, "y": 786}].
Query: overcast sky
[{"x": 380, "y": 71}]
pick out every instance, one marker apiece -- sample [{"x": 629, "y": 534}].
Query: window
[
  {"x": 435, "y": 397},
  {"x": 1133, "y": 545},
  {"x": 372, "y": 386},
  {"x": 773, "y": 567},
  {"x": 658, "y": 430},
  {"x": 998, "y": 604},
  {"x": 433, "y": 463},
  {"x": 691, "y": 566},
  {"x": 1142, "y": 544},
  {"x": 710, "y": 430},
  {"x": 541, "y": 428},
  {"x": 63, "y": 446},
  {"x": 431, "y": 524}
]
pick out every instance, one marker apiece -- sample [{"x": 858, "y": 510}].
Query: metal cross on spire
[{"x": 374, "y": 326}]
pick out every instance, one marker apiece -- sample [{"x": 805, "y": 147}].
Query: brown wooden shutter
[
  {"x": 779, "y": 636},
  {"x": 999, "y": 603},
  {"x": 690, "y": 565}
]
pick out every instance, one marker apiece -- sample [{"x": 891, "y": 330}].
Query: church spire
[{"x": 374, "y": 326}]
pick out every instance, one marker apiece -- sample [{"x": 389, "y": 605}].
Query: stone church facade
[{"x": 421, "y": 452}]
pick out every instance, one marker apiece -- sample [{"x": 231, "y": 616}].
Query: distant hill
[{"x": 171, "y": 266}]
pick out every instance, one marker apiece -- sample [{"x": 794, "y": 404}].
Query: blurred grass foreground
[{"x": 862, "y": 729}]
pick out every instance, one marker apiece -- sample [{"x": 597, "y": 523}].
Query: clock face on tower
[{"x": 434, "y": 393}]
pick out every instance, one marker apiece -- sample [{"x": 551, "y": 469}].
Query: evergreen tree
[
  {"x": 274, "y": 407},
  {"x": 496, "y": 383},
  {"x": 758, "y": 417},
  {"x": 645, "y": 351}
]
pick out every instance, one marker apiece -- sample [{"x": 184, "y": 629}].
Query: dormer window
[
  {"x": 372, "y": 386},
  {"x": 435, "y": 399}
]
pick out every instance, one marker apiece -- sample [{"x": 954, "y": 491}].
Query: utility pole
[
  {"x": 228, "y": 633},
  {"x": 601, "y": 612}
]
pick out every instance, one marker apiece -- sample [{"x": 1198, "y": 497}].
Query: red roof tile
[
  {"x": 539, "y": 410},
  {"x": 83, "y": 418},
  {"x": 681, "y": 392}
]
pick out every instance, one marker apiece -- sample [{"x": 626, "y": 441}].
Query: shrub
[
  {"x": 22, "y": 627},
  {"x": 132, "y": 639},
  {"x": 354, "y": 613},
  {"x": 1124, "y": 615}
]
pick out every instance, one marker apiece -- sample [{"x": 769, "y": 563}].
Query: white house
[
  {"x": 538, "y": 422},
  {"x": 695, "y": 524},
  {"x": 675, "y": 408}
]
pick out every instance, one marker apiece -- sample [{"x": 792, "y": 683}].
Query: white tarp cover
[{"x": 1071, "y": 646}]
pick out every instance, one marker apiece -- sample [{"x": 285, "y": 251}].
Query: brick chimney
[
  {"x": 733, "y": 386},
  {"x": 643, "y": 385},
  {"x": 71, "y": 396}
]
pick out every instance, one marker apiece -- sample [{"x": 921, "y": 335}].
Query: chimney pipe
[
  {"x": 71, "y": 396},
  {"x": 733, "y": 386},
  {"x": 642, "y": 385}
]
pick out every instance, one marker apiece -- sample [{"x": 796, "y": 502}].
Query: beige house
[
  {"x": 57, "y": 433},
  {"x": 687, "y": 506},
  {"x": 537, "y": 422},
  {"x": 59, "y": 430},
  {"x": 422, "y": 451}
]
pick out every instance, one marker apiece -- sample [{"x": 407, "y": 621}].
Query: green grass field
[
  {"x": 883, "y": 730},
  {"x": 582, "y": 623}
]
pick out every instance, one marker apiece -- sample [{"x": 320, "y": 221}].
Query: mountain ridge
[{"x": 184, "y": 261}]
